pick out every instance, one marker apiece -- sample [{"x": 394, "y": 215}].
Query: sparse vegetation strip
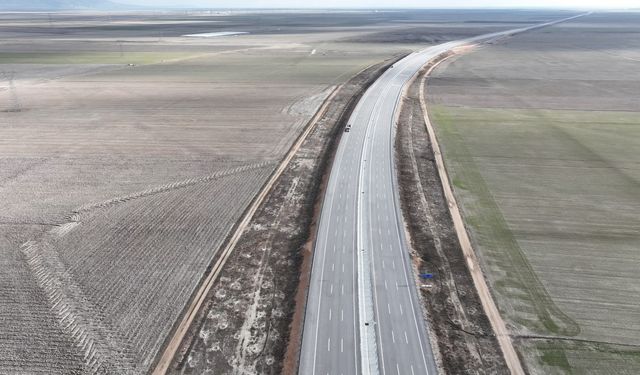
[
  {"x": 192, "y": 309},
  {"x": 252, "y": 318},
  {"x": 460, "y": 329},
  {"x": 489, "y": 306}
]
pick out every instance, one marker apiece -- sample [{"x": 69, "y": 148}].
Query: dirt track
[
  {"x": 462, "y": 314},
  {"x": 489, "y": 306},
  {"x": 192, "y": 310},
  {"x": 247, "y": 317},
  {"x": 128, "y": 163}
]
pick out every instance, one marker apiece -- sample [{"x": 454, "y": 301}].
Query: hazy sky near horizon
[{"x": 391, "y": 3}]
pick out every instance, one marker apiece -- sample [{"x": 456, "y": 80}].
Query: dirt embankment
[
  {"x": 251, "y": 321},
  {"x": 465, "y": 339}
]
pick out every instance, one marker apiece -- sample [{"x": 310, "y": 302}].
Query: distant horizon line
[
  {"x": 204, "y": 8},
  {"x": 547, "y": 7},
  {"x": 129, "y": 8}
]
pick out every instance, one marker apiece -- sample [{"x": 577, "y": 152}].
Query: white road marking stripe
[
  {"x": 323, "y": 252},
  {"x": 402, "y": 66},
  {"x": 373, "y": 275}
]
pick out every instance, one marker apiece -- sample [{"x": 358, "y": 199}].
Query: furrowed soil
[
  {"x": 539, "y": 135},
  {"x": 252, "y": 320},
  {"x": 462, "y": 333},
  {"x": 128, "y": 152}
]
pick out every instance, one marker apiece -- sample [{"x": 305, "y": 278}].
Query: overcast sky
[{"x": 608, "y": 4}]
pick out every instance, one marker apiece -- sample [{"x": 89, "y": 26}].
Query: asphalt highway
[{"x": 363, "y": 313}]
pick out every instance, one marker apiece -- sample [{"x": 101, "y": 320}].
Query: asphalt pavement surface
[{"x": 363, "y": 312}]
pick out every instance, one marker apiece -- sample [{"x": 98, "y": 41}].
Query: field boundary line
[
  {"x": 171, "y": 348},
  {"x": 573, "y": 339},
  {"x": 167, "y": 187},
  {"x": 488, "y": 304}
]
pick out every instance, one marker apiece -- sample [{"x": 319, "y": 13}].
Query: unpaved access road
[
  {"x": 460, "y": 330},
  {"x": 250, "y": 320},
  {"x": 489, "y": 306}
]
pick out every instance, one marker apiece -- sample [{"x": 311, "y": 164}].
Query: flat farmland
[
  {"x": 540, "y": 136},
  {"x": 119, "y": 182},
  {"x": 128, "y": 152}
]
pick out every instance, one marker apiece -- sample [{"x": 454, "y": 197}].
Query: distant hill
[{"x": 33, "y": 5}]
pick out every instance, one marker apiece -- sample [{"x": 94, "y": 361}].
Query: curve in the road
[{"x": 363, "y": 311}]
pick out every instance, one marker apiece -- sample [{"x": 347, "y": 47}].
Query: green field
[
  {"x": 541, "y": 139},
  {"x": 551, "y": 198}
]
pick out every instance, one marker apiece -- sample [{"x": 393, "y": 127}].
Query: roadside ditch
[{"x": 459, "y": 327}]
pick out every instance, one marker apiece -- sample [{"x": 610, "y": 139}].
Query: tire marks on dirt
[
  {"x": 104, "y": 351},
  {"x": 88, "y": 287}
]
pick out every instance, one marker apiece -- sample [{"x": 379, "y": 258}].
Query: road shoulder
[
  {"x": 251, "y": 318},
  {"x": 463, "y": 334}
]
